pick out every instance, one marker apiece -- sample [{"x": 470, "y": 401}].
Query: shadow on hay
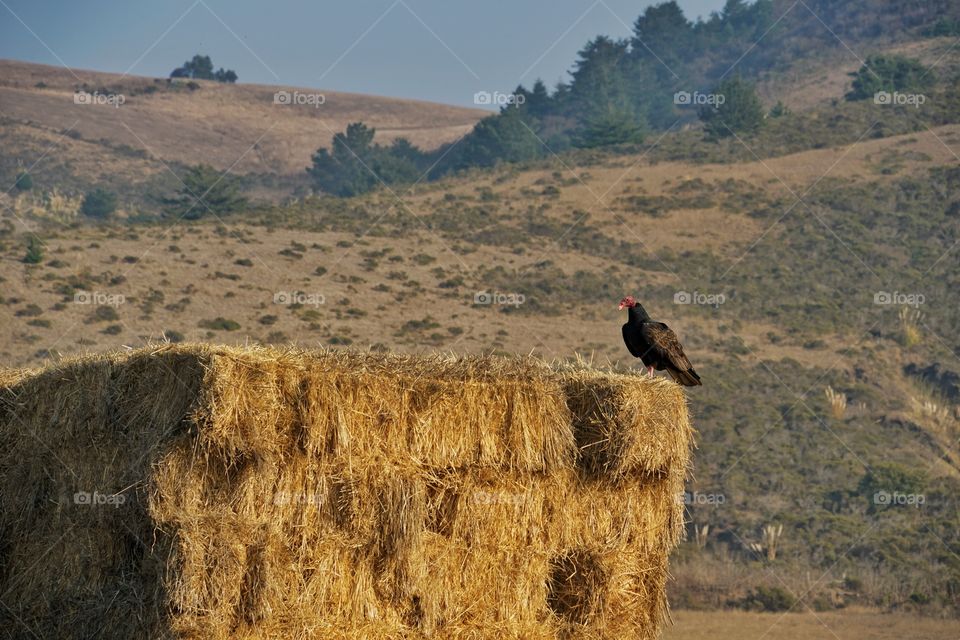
[{"x": 80, "y": 555}]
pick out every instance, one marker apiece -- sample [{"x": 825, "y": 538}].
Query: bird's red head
[{"x": 627, "y": 302}]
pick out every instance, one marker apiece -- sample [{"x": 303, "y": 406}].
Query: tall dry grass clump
[
  {"x": 910, "y": 320},
  {"x": 769, "y": 542},
  {"x": 837, "y": 402},
  {"x": 201, "y": 492}
]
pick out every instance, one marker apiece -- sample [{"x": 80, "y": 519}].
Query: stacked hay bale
[{"x": 209, "y": 492}]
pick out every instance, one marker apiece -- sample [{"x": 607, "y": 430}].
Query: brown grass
[
  {"x": 217, "y": 123},
  {"x": 280, "y": 493},
  {"x": 848, "y": 625}
]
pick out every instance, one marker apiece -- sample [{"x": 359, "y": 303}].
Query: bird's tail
[{"x": 688, "y": 378}]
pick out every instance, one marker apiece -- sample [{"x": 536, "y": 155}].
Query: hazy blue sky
[{"x": 438, "y": 50}]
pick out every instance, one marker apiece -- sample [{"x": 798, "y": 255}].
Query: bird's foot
[{"x": 649, "y": 372}]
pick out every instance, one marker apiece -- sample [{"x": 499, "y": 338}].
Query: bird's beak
[{"x": 620, "y": 307}]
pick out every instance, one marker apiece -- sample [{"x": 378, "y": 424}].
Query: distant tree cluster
[
  {"x": 889, "y": 73},
  {"x": 943, "y": 27},
  {"x": 205, "y": 191},
  {"x": 201, "y": 68},
  {"x": 620, "y": 89},
  {"x": 355, "y": 165}
]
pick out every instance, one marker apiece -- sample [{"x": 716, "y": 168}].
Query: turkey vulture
[{"x": 656, "y": 345}]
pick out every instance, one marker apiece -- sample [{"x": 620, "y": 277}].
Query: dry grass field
[
  {"x": 338, "y": 287},
  {"x": 227, "y": 126},
  {"x": 856, "y": 625}
]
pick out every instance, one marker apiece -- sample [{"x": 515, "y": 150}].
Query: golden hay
[{"x": 212, "y": 492}]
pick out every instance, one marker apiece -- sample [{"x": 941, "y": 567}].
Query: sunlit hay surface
[{"x": 262, "y": 493}]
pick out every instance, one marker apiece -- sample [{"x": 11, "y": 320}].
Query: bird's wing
[
  {"x": 631, "y": 339},
  {"x": 664, "y": 342}
]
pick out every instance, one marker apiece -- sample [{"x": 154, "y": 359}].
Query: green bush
[
  {"x": 219, "y": 324},
  {"x": 355, "y": 165},
  {"x": 739, "y": 111},
  {"x": 34, "y": 253},
  {"x": 99, "y": 203},
  {"x": 104, "y": 314},
  {"x": 205, "y": 190},
  {"x": 769, "y": 599},
  {"x": 24, "y": 181},
  {"x": 888, "y": 73}
]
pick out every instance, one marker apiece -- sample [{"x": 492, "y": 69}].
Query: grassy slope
[
  {"x": 693, "y": 625},
  {"x": 226, "y": 126},
  {"x": 400, "y": 270},
  {"x": 798, "y": 316}
]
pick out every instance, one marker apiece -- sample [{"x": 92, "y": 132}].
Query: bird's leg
[{"x": 649, "y": 372}]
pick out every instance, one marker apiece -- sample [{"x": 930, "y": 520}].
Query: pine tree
[
  {"x": 737, "y": 109},
  {"x": 206, "y": 190},
  {"x": 34, "y": 253},
  {"x": 600, "y": 98},
  {"x": 888, "y": 73}
]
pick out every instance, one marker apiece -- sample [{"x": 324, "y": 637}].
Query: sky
[{"x": 438, "y": 50}]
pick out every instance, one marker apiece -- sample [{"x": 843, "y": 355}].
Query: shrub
[
  {"x": 30, "y": 311},
  {"x": 355, "y": 165},
  {"x": 205, "y": 190},
  {"x": 769, "y": 599},
  {"x": 891, "y": 477},
  {"x": 99, "y": 203},
  {"x": 104, "y": 314},
  {"x": 24, "y": 181},
  {"x": 739, "y": 112},
  {"x": 888, "y": 73},
  {"x": 34, "y": 253},
  {"x": 219, "y": 324}
]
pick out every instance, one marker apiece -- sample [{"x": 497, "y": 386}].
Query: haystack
[{"x": 213, "y": 492}]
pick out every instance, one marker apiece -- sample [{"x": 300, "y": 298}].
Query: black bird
[{"x": 656, "y": 345}]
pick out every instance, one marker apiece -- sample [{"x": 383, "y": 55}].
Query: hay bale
[{"x": 213, "y": 492}]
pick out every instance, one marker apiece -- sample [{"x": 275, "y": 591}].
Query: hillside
[
  {"x": 161, "y": 122},
  {"x": 808, "y": 264},
  {"x": 529, "y": 260}
]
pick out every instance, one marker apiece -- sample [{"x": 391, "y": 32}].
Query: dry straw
[{"x": 260, "y": 493}]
